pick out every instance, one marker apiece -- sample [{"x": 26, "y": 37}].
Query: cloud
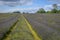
[
  {"x": 30, "y": 9},
  {"x": 58, "y": 4},
  {"x": 15, "y": 2},
  {"x": 49, "y": 7},
  {"x": 57, "y": 1}
]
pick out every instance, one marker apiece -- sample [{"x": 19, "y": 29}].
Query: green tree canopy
[
  {"x": 16, "y": 12},
  {"x": 54, "y": 11},
  {"x": 41, "y": 10},
  {"x": 55, "y": 6}
]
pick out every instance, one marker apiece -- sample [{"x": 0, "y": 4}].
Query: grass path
[{"x": 32, "y": 31}]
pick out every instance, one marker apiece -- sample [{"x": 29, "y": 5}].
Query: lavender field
[
  {"x": 6, "y": 22},
  {"x": 47, "y": 26}
]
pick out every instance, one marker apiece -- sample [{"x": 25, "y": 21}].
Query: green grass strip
[{"x": 33, "y": 32}]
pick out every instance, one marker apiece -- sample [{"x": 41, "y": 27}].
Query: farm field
[
  {"x": 23, "y": 26},
  {"x": 29, "y": 19},
  {"x": 46, "y": 25},
  {"x": 6, "y": 21}
]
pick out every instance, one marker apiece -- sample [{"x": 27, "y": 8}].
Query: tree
[
  {"x": 48, "y": 12},
  {"x": 58, "y": 11},
  {"x": 55, "y": 9},
  {"x": 41, "y": 10},
  {"x": 16, "y": 12},
  {"x": 55, "y": 6}
]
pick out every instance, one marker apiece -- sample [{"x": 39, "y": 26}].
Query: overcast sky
[{"x": 26, "y": 5}]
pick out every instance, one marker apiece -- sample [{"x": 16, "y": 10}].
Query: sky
[{"x": 26, "y": 5}]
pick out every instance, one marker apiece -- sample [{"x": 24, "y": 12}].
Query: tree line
[{"x": 54, "y": 10}]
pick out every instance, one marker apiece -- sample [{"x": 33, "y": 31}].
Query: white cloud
[
  {"x": 57, "y": 1},
  {"x": 58, "y": 4},
  {"x": 15, "y": 2},
  {"x": 46, "y": 6},
  {"x": 30, "y": 9},
  {"x": 49, "y": 7}
]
